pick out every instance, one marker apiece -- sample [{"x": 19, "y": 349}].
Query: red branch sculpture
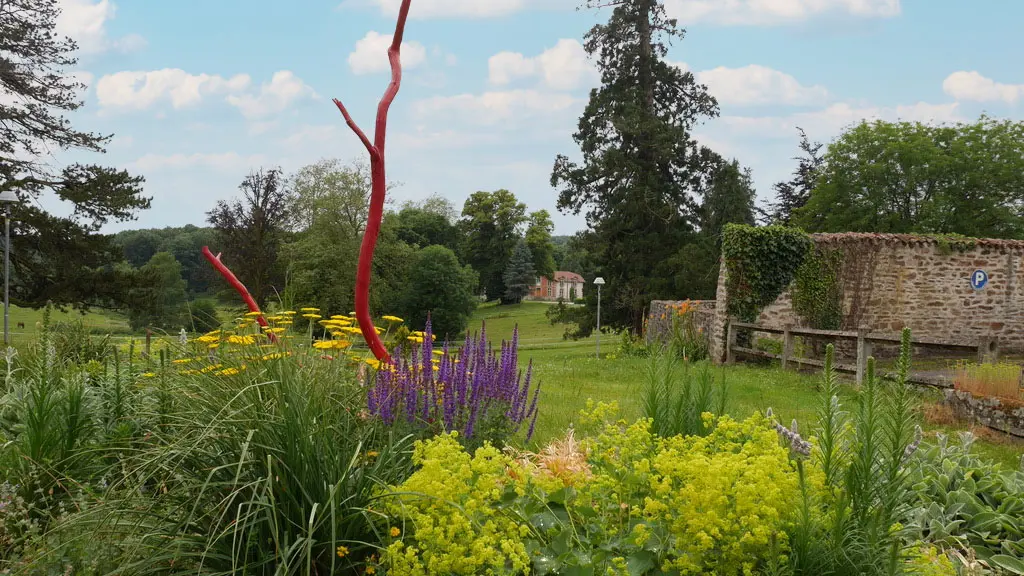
[
  {"x": 378, "y": 187},
  {"x": 238, "y": 286}
]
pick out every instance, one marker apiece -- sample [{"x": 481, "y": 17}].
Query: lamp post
[
  {"x": 7, "y": 197},
  {"x": 599, "y": 282}
]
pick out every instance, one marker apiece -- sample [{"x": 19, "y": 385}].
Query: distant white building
[{"x": 566, "y": 286}]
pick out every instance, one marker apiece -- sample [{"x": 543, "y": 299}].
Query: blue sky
[{"x": 198, "y": 93}]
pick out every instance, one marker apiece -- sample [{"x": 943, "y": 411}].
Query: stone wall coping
[{"x": 905, "y": 239}]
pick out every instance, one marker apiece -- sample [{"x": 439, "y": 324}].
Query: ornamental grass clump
[{"x": 477, "y": 392}]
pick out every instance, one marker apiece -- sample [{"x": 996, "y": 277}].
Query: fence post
[
  {"x": 730, "y": 343},
  {"x": 149, "y": 336},
  {"x": 986, "y": 347},
  {"x": 863, "y": 351},
  {"x": 787, "y": 346}
]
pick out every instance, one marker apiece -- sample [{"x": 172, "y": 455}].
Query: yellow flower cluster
[{"x": 451, "y": 502}]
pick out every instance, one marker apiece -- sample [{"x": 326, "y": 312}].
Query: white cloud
[
  {"x": 139, "y": 90},
  {"x": 828, "y": 122},
  {"x": 972, "y": 86},
  {"x": 564, "y": 66},
  {"x": 225, "y": 162},
  {"x": 371, "y": 54},
  {"x": 754, "y": 84},
  {"x": 774, "y": 12},
  {"x": 85, "y": 21},
  {"x": 492, "y": 108},
  {"x": 282, "y": 91}
]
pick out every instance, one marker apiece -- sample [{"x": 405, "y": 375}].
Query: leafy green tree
[
  {"x": 158, "y": 299},
  {"x": 538, "y": 237},
  {"x": 329, "y": 186},
  {"x": 490, "y": 226},
  {"x": 250, "y": 232},
  {"x": 902, "y": 177},
  {"x": 519, "y": 275},
  {"x": 139, "y": 245},
  {"x": 203, "y": 315},
  {"x": 640, "y": 165},
  {"x": 333, "y": 201},
  {"x": 422, "y": 227},
  {"x": 60, "y": 259},
  {"x": 792, "y": 195},
  {"x": 438, "y": 285}
]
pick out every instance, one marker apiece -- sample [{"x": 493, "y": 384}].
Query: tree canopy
[
  {"x": 438, "y": 285},
  {"x": 251, "y": 229},
  {"x": 904, "y": 177},
  {"x": 60, "y": 259},
  {"x": 490, "y": 226}
]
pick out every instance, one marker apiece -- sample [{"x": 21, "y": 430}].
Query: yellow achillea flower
[
  {"x": 242, "y": 340},
  {"x": 342, "y": 551},
  {"x": 341, "y": 317},
  {"x": 373, "y": 362},
  {"x": 184, "y": 360},
  {"x": 378, "y": 329},
  {"x": 214, "y": 346},
  {"x": 275, "y": 318},
  {"x": 209, "y": 369},
  {"x": 309, "y": 309},
  {"x": 395, "y": 532},
  {"x": 331, "y": 344},
  {"x": 289, "y": 312},
  {"x": 228, "y": 372},
  {"x": 311, "y": 316},
  {"x": 255, "y": 314},
  {"x": 149, "y": 375},
  {"x": 207, "y": 338},
  {"x": 392, "y": 319},
  {"x": 438, "y": 352},
  {"x": 275, "y": 330}
]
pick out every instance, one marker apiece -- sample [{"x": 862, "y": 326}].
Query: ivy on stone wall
[
  {"x": 817, "y": 291},
  {"x": 761, "y": 263},
  {"x": 949, "y": 243}
]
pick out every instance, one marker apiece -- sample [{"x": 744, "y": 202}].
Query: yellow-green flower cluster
[{"x": 458, "y": 529}]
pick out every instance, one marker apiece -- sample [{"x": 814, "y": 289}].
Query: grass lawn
[{"x": 570, "y": 374}]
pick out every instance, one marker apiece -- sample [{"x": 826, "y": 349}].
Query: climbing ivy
[
  {"x": 948, "y": 243},
  {"x": 817, "y": 292},
  {"x": 761, "y": 263}
]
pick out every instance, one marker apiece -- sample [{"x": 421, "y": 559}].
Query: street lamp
[
  {"x": 599, "y": 282},
  {"x": 7, "y": 197}
]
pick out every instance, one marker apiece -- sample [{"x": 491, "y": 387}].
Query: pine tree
[
  {"x": 794, "y": 194},
  {"x": 641, "y": 168},
  {"x": 519, "y": 275},
  {"x": 60, "y": 259}
]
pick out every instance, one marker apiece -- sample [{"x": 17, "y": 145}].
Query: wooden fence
[{"x": 987, "y": 349}]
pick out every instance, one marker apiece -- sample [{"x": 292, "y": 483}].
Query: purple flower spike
[{"x": 469, "y": 387}]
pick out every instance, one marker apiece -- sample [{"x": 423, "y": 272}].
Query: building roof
[
  {"x": 562, "y": 276},
  {"x": 908, "y": 239}
]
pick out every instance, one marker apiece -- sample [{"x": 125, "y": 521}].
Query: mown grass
[{"x": 570, "y": 374}]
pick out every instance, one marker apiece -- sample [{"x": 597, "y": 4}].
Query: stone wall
[
  {"x": 994, "y": 413},
  {"x": 659, "y": 320},
  {"x": 890, "y": 281}
]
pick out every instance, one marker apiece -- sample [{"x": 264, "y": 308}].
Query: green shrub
[
  {"x": 203, "y": 315},
  {"x": 440, "y": 287}
]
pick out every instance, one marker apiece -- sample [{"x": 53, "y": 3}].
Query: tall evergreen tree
[
  {"x": 640, "y": 166},
  {"x": 62, "y": 259},
  {"x": 519, "y": 275},
  {"x": 792, "y": 195}
]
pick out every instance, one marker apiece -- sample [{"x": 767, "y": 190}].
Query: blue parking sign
[{"x": 979, "y": 279}]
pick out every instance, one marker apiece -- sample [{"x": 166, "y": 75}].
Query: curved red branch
[
  {"x": 378, "y": 187},
  {"x": 238, "y": 286}
]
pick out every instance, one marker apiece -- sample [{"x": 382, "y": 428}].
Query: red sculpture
[
  {"x": 238, "y": 286},
  {"x": 379, "y": 188}
]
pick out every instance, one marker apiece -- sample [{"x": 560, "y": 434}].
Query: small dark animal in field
[{"x": 21, "y": 324}]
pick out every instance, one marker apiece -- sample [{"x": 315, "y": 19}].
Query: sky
[{"x": 198, "y": 93}]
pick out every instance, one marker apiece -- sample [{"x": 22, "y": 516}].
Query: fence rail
[{"x": 987, "y": 349}]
